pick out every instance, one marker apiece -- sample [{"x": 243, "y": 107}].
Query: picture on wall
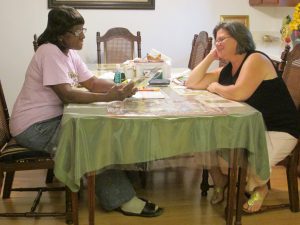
[
  {"x": 244, "y": 19},
  {"x": 104, "y": 4}
]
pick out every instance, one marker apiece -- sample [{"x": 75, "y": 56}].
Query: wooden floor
[{"x": 177, "y": 190}]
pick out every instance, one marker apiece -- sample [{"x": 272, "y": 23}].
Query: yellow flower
[
  {"x": 290, "y": 24},
  {"x": 295, "y": 22}
]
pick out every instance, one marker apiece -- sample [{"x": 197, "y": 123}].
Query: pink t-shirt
[{"x": 37, "y": 101}]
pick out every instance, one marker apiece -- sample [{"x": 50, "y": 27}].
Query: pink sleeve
[
  {"x": 58, "y": 68},
  {"x": 81, "y": 69}
]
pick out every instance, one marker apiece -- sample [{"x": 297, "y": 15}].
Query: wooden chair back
[
  {"x": 201, "y": 46},
  {"x": 291, "y": 74},
  {"x": 280, "y": 65},
  {"x": 35, "y": 43},
  {"x": 118, "y": 45},
  {"x": 4, "y": 118}
]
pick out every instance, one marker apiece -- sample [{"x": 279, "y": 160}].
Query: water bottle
[{"x": 118, "y": 76}]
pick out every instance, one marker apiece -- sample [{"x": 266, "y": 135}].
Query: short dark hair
[
  {"x": 240, "y": 33},
  {"x": 60, "y": 20}
]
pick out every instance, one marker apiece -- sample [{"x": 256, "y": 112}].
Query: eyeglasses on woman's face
[
  {"x": 221, "y": 40},
  {"x": 77, "y": 33}
]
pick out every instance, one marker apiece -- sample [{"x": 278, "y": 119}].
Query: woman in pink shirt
[{"x": 51, "y": 75}]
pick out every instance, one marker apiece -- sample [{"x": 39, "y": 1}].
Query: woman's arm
[
  {"x": 256, "y": 68},
  {"x": 199, "y": 77},
  {"x": 97, "y": 85},
  {"x": 67, "y": 94}
]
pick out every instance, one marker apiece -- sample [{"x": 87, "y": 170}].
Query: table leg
[
  {"x": 69, "y": 215},
  {"x": 91, "y": 197},
  {"x": 232, "y": 173},
  {"x": 74, "y": 196}
]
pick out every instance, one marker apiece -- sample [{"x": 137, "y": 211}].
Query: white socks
[{"x": 134, "y": 205}]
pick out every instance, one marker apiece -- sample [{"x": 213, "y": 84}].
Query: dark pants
[{"x": 113, "y": 187}]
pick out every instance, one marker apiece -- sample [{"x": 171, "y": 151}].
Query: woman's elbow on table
[
  {"x": 238, "y": 96},
  {"x": 193, "y": 85},
  {"x": 230, "y": 92}
]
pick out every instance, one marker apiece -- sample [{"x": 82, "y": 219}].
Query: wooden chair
[
  {"x": 50, "y": 173},
  {"x": 201, "y": 46},
  {"x": 118, "y": 45},
  {"x": 281, "y": 64},
  {"x": 15, "y": 158},
  {"x": 291, "y": 76},
  {"x": 35, "y": 44}
]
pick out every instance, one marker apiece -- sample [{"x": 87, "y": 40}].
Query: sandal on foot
[
  {"x": 149, "y": 210},
  {"x": 218, "y": 195},
  {"x": 256, "y": 200}
]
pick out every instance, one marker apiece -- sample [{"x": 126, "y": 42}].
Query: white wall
[{"x": 169, "y": 28}]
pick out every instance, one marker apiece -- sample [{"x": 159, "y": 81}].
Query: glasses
[
  {"x": 77, "y": 33},
  {"x": 221, "y": 40}
]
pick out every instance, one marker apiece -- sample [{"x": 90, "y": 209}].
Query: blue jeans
[{"x": 113, "y": 187}]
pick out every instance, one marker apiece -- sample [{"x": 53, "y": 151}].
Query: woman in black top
[{"x": 251, "y": 77}]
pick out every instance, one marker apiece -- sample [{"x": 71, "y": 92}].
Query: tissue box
[{"x": 143, "y": 67}]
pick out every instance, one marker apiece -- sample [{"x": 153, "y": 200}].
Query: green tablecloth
[{"x": 92, "y": 139}]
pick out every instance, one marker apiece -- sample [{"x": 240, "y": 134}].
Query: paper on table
[
  {"x": 148, "y": 94},
  {"x": 220, "y": 102},
  {"x": 185, "y": 91}
]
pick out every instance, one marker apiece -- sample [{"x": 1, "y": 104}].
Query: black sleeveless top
[{"x": 271, "y": 98}]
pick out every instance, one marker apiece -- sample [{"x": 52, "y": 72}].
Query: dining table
[{"x": 160, "y": 125}]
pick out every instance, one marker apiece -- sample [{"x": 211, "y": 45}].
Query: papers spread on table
[
  {"x": 220, "y": 103},
  {"x": 207, "y": 98},
  {"x": 213, "y": 100},
  {"x": 162, "y": 107},
  {"x": 181, "y": 90}
]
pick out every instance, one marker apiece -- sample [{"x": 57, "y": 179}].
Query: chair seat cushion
[{"x": 13, "y": 152}]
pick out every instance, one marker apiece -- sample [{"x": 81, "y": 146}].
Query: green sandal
[
  {"x": 256, "y": 199},
  {"x": 218, "y": 195}
]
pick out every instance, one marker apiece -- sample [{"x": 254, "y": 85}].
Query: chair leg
[
  {"x": 1, "y": 180},
  {"x": 143, "y": 178},
  {"x": 8, "y": 181},
  {"x": 50, "y": 176},
  {"x": 204, "y": 184},
  {"x": 269, "y": 185},
  {"x": 291, "y": 173}
]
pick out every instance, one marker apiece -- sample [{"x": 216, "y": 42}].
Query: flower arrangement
[{"x": 291, "y": 26}]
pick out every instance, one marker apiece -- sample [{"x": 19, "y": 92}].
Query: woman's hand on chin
[{"x": 214, "y": 54}]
